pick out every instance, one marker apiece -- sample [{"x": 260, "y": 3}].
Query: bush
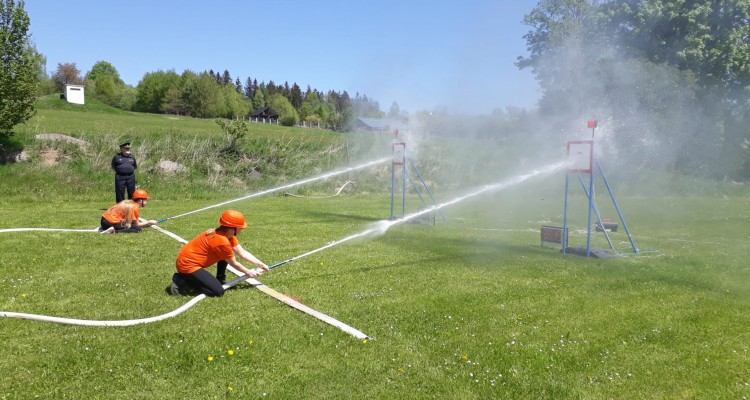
[{"x": 288, "y": 120}]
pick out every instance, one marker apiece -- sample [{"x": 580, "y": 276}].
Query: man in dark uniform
[{"x": 124, "y": 165}]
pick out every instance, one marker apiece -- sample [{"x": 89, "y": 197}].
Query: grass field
[{"x": 471, "y": 308}]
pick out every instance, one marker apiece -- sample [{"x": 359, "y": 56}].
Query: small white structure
[{"x": 74, "y": 94}]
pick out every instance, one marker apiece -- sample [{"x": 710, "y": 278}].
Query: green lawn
[{"x": 469, "y": 309}]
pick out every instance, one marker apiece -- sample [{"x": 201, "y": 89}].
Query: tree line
[{"x": 211, "y": 94}]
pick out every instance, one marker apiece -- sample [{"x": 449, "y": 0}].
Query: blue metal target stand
[
  {"x": 581, "y": 161},
  {"x": 399, "y": 162}
]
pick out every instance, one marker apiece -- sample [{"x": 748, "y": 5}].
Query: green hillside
[{"x": 267, "y": 155}]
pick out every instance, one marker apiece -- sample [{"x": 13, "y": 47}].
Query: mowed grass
[{"x": 471, "y": 308}]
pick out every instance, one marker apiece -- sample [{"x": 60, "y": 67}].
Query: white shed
[{"x": 74, "y": 94}]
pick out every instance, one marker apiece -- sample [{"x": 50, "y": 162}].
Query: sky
[{"x": 456, "y": 55}]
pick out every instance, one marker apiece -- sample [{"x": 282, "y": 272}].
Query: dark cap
[{"x": 125, "y": 145}]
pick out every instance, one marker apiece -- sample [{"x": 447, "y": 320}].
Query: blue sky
[{"x": 457, "y": 54}]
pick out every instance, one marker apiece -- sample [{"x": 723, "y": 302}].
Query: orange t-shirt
[
  {"x": 116, "y": 214},
  {"x": 205, "y": 250}
]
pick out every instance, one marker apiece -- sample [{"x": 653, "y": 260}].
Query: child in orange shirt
[
  {"x": 214, "y": 246},
  {"x": 123, "y": 216}
]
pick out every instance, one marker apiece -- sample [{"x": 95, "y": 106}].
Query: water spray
[
  {"x": 284, "y": 187},
  {"x": 381, "y": 227}
]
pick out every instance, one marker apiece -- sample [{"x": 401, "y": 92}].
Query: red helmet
[
  {"x": 140, "y": 194},
  {"x": 232, "y": 219}
]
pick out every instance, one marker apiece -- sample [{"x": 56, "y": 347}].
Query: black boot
[{"x": 177, "y": 284}]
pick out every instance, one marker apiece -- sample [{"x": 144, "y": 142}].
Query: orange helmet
[
  {"x": 232, "y": 219},
  {"x": 140, "y": 194}
]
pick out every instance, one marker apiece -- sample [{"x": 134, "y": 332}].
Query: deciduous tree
[
  {"x": 104, "y": 83},
  {"x": 103, "y": 68},
  {"x": 671, "y": 77},
  {"x": 152, "y": 90},
  {"x": 710, "y": 38},
  {"x": 259, "y": 100},
  {"x": 17, "y": 67},
  {"x": 287, "y": 114},
  {"x": 66, "y": 74}
]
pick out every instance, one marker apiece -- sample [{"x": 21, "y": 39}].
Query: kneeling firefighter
[
  {"x": 214, "y": 246},
  {"x": 123, "y": 216}
]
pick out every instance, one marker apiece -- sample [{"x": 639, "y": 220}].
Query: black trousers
[
  {"x": 119, "y": 228},
  {"x": 123, "y": 182},
  {"x": 202, "y": 280}
]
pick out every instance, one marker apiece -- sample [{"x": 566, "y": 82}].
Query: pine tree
[
  {"x": 295, "y": 96},
  {"x": 249, "y": 88}
]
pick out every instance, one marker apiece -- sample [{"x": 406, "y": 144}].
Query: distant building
[
  {"x": 74, "y": 94},
  {"x": 378, "y": 124},
  {"x": 264, "y": 114}
]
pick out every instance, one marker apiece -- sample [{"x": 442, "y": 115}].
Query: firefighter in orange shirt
[
  {"x": 214, "y": 246},
  {"x": 123, "y": 216}
]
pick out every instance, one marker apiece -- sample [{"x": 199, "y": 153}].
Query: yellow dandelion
[
  {"x": 229, "y": 389},
  {"x": 321, "y": 263},
  {"x": 230, "y": 352},
  {"x": 210, "y": 358},
  {"x": 465, "y": 358},
  {"x": 250, "y": 341},
  {"x": 364, "y": 341},
  {"x": 400, "y": 370},
  {"x": 23, "y": 295}
]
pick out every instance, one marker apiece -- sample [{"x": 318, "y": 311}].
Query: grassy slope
[
  {"x": 470, "y": 309},
  {"x": 278, "y": 153}
]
